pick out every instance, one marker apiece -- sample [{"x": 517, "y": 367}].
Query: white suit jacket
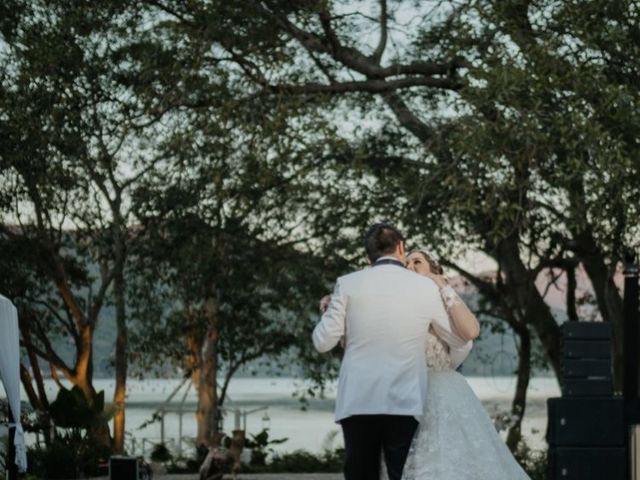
[{"x": 387, "y": 311}]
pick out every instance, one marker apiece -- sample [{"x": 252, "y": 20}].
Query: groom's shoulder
[{"x": 355, "y": 275}]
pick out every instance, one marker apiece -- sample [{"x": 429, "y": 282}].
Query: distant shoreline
[{"x": 287, "y": 418}]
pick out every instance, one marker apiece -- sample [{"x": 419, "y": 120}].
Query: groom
[{"x": 384, "y": 312}]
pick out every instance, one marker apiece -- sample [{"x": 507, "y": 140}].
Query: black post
[
  {"x": 631, "y": 330},
  {"x": 12, "y": 468}
]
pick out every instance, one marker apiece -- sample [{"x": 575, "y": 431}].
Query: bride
[{"x": 456, "y": 439}]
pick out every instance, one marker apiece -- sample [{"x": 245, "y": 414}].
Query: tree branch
[
  {"x": 406, "y": 117},
  {"x": 366, "y": 86},
  {"x": 69, "y": 325},
  {"x": 357, "y": 61},
  {"x": 49, "y": 355},
  {"x": 27, "y": 383},
  {"x": 168, "y": 9},
  {"x": 488, "y": 289},
  {"x": 325, "y": 21},
  {"x": 382, "y": 43},
  {"x": 327, "y": 73}
]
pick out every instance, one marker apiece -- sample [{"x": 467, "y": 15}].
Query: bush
[
  {"x": 298, "y": 461},
  {"x": 68, "y": 456},
  {"x": 57, "y": 461},
  {"x": 301, "y": 461},
  {"x": 260, "y": 444},
  {"x": 161, "y": 454},
  {"x": 188, "y": 464},
  {"x": 78, "y": 452},
  {"x": 534, "y": 462}
]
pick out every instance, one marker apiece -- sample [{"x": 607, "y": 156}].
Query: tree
[
  {"x": 75, "y": 146},
  {"x": 537, "y": 100},
  {"x": 233, "y": 228},
  {"x": 492, "y": 167},
  {"x": 463, "y": 140}
]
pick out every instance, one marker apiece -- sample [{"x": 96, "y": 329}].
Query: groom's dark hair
[{"x": 381, "y": 239}]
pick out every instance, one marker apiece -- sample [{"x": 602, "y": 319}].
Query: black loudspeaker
[
  {"x": 586, "y": 331},
  {"x": 568, "y": 463},
  {"x": 632, "y": 412},
  {"x": 631, "y": 330},
  {"x": 123, "y": 468},
  {"x": 592, "y": 349},
  {"x": 586, "y": 359},
  {"x": 589, "y": 427},
  {"x": 587, "y": 387},
  {"x": 586, "y": 368},
  {"x": 588, "y": 422}
]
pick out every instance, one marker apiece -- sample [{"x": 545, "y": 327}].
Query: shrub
[
  {"x": 534, "y": 462},
  {"x": 188, "y": 464},
  {"x": 161, "y": 453},
  {"x": 260, "y": 446},
  {"x": 68, "y": 456},
  {"x": 301, "y": 461}
]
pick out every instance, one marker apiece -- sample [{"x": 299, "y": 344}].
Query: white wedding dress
[{"x": 456, "y": 440}]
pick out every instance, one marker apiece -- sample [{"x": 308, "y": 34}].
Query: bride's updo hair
[{"x": 431, "y": 259}]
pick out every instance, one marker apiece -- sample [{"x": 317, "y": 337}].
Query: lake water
[{"x": 312, "y": 429}]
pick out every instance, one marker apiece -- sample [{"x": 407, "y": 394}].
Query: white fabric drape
[{"x": 10, "y": 372}]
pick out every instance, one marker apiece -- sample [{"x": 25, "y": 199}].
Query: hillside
[{"x": 494, "y": 354}]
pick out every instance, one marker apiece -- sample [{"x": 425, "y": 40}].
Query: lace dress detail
[
  {"x": 437, "y": 354},
  {"x": 456, "y": 439}
]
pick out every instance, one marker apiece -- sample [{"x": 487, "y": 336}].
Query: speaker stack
[
  {"x": 631, "y": 367},
  {"x": 592, "y": 433},
  {"x": 123, "y": 468},
  {"x": 586, "y": 431}
]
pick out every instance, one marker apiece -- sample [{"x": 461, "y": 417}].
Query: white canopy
[{"x": 10, "y": 372}]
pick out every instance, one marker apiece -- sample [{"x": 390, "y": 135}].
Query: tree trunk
[
  {"x": 98, "y": 434},
  {"x": 572, "y": 285},
  {"x": 27, "y": 384},
  {"x": 121, "y": 361},
  {"x": 608, "y": 298},
  {"x": 39, "y": 403},
  {"x": 529, "y": 300},
  {"x": 207, "y": 391},
  {"x": 592, "y": 257},
  {"x": 519, "y": 404},
  {"x": 83, "y": 377},
  {"x": 193, "y": 359},
  {"x": 25, "y": 330}
]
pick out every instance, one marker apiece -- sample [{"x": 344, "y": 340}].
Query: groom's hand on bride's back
[{"x": 324, "y": 303}]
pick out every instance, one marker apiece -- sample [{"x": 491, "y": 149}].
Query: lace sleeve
[{"x": 450, "y": 297}]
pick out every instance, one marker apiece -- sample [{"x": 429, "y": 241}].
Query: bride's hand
[{"x": 324, "y": 303}]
